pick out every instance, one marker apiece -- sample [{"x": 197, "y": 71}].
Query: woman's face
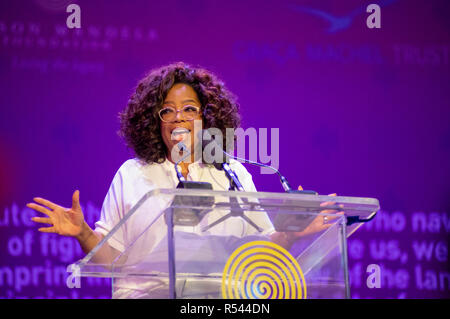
[{"x": 180, "y": 96}]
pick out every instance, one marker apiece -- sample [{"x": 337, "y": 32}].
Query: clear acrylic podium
[{"x": 186, "y": 243}]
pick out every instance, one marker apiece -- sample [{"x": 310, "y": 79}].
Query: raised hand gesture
[{"x": 62, "y": 221}]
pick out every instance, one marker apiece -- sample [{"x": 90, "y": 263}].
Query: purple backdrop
[{"x": 361, "y": 112}]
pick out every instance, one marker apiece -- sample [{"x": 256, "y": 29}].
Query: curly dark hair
[{"x": 140, "y": 123}]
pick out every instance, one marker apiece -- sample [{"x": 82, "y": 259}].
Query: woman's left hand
[{"x": 321, "y": 222}]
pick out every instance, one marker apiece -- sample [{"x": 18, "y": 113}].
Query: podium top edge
[{"x": 266, "y": 195}]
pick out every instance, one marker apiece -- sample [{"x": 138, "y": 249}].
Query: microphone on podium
[
  {"x": 222, "y": 162},
  {"x": 183, "y": 183}
]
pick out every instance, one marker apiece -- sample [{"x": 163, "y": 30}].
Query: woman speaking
[{"x": 159, "y": 115}]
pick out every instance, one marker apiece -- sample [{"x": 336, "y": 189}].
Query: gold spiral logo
[{"x": 262, "y": 270}]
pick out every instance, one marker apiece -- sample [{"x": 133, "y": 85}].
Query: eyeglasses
[{"x": 188, "y": 113}]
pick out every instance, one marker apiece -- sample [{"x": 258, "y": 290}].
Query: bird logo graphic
[{"x": 336, "y": 23}]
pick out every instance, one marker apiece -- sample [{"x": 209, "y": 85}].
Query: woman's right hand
[{"x": 62, "y": 221}]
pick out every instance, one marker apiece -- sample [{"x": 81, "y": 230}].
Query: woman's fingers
[
  {"x": 47, "y": 229},
  {"x": 332, "y": 215},
  {"x": 328, "y": 203},
  {"x": 42, "y": 220},
  {"x": 39, "y": 208},
  {"x": 45, "y": 202},
  {"x": 76, "y": 200}
]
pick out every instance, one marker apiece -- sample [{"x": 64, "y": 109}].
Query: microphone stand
[
  {"x": 180, "y": 176},
  {"x": 183, "y": 183},
  {"x": 235, "y": 207},
  {"x": 284, "y": 182}
]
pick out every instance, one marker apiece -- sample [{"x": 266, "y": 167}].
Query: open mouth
[{"x": 179, "y": 134}]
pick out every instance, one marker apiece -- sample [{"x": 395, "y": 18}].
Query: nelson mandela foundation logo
[{"x": 262, "y": 270}]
